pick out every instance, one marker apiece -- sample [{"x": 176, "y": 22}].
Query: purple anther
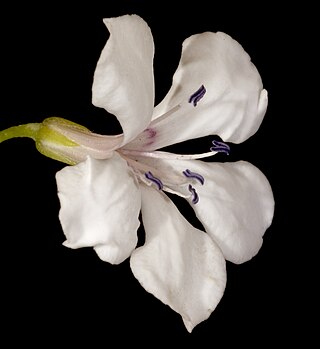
[
  {"x": 195, "y": 97},
  {"x": 195, "y": 196},
  {"x": 154, "y": 180},
  {"x": 220, "y": 147},
  {"x": 194, "y": 175}
]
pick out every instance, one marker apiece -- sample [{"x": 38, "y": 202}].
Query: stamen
[
  {"x": 166, "y": 155},
  {"x": 220, "y": 147},
  {"x": 176, "y": 192},
  {"x": 194, "y": 175},
  {"x": 195, "y": 196},
  {"x": 165, "y": 115},
  {"x": 154, "y": 180},
  {"x": 195, "y": 97}
]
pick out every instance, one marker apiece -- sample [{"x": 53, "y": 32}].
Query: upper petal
[
  {"x": 123, "y": 80},
  {"x": 100, "y": 204},
  {"x": 231, "y": 101},
  {"x": 179, "y": 264}
]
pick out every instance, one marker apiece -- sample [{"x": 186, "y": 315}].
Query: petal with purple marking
[
  {"x": 100, "y": 204},
  {"x": 232, "y": 107},
  {"x": 123, "y": 80},
  {"x": 178, "y": 264},
  {"x": 236, "y": 207},
  {"x": 235, "y": 204}
]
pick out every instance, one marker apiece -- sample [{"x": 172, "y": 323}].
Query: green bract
[{"x": 48, "y": 138}]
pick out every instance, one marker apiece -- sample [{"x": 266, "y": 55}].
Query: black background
[{"x": 54, "y": 294}]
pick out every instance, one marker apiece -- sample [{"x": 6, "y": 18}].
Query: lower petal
[
  {"x": 236, "y": 207},
  {"x": 233, "y": 201},
  {"x": 100, "y": 204},
  {"x": 179, "y": 264},
  {"x": 235, "y": 204}
]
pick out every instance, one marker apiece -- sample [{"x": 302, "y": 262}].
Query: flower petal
[
  {"x": 235, "y": 206},
  {"x": 123, "y": 80},
  {"x": 100, "y": 205},
  {"x": 179, "y": 264},
  {"x": 216, "y": 90}
]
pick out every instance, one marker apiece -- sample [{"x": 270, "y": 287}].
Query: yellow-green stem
[{"x": 28, "y": 130}]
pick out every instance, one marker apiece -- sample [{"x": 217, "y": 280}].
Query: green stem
[{"x": 28, "y": 130}]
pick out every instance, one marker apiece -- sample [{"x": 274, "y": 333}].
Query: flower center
[
  {"x": 162, "y": 170},
  {"x": 159, "y": 169}
]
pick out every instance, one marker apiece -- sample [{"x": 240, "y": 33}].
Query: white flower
[{"x": 216, "y": 90}]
